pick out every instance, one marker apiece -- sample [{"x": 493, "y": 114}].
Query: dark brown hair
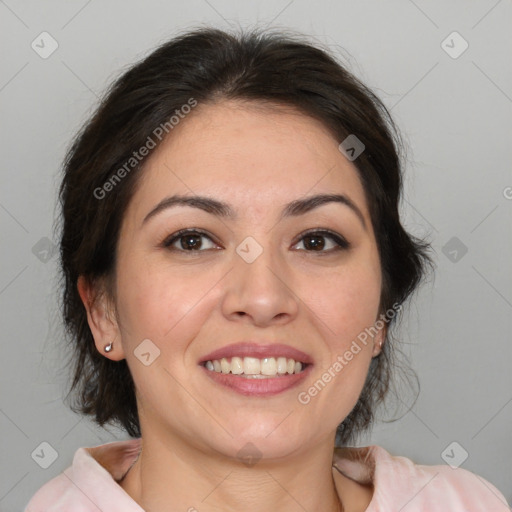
[{"x": 209, "y": 65}]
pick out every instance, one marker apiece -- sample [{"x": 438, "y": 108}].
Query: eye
[
  {"x": 189, "y": 240},
  {"x": 322, "y": 241},
  {"x": 192, "y": 240}
]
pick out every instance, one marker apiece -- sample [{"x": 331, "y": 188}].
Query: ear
[
  {"x": 101, "y": 317},
  {"x": 379, "y": 340}
]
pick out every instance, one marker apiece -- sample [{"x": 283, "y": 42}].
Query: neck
[{"x": 174, "y": 476}]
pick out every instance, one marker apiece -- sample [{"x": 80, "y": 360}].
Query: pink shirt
[{"x": 90, "y": 483}]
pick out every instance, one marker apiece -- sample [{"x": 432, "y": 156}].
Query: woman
[{"x": 233, "y": 261}]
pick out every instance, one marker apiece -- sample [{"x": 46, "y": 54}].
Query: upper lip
[{"x": 260, "y": 351}]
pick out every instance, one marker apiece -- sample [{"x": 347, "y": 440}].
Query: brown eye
[
  {"x": 314, "y": 242},
  {"x": 189, "y": 241},
  {"x": 322, "y": 241}
]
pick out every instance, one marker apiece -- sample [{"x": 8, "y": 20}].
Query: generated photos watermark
[
  {"x": 342, "y": 360},
  {"x": 157, "y": 135}
]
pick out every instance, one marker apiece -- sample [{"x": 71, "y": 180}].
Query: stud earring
[{"x": 108, "y": 348}]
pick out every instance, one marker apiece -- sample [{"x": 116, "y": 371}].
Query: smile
[
  {"x": 254, "y": 377},
  {"x": 252, "y": 367}
]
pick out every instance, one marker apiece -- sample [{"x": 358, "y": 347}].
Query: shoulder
[
  {"x": 90, "y": 483},
  {"x": 62, "y": 492},
  {"x": 398, "y": 482}
]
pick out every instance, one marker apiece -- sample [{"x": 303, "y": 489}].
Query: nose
[{"x": 260, "y": 292}]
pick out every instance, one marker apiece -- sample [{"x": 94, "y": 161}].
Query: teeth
[
  {"x": 237, "y": 367},
  {"x": 269, "y": 366},
  {"x": 252, "y": 367},
  {"x": 281, "y": 365},
  {"x": 224, "y": 365}
]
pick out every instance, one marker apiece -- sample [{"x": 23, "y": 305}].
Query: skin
[{"x": 256, "y": 159}]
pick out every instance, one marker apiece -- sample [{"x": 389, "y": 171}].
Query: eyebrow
[{"x": 221, "y": 209}]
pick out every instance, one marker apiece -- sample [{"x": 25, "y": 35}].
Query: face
[{"x": 280, "y": 282}]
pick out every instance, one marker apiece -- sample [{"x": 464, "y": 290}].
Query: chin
[{"x": 263, "y": 439}]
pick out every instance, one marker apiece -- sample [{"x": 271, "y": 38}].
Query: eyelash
[{"x": 340, "y": 242}]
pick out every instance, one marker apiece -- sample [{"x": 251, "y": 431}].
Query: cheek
[
  {"x": 161, "y": 303},
  {"x": 347, "y": 303},
  {"x": 345, "y": 307}
]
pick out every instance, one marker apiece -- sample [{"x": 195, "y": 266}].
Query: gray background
[{"x": 456, "y": 116}]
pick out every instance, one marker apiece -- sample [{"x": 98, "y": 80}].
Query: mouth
[{"x": 255, "y": 370}]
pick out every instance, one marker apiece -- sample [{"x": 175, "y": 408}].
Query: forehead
[{"x": 251, "y": 155}]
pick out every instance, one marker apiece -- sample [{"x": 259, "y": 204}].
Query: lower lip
[{"x": 258, "y": 387}]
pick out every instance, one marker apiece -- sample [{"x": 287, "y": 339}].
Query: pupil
[
  {"x": 191, "y": 242},
  {"x": 314, "y": 242}
]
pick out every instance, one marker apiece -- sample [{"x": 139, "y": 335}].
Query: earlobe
[
  {"x": 378, "y": 342},
  {"x": 377, "y": 348},
  {"x": 100, "y": 318}
]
